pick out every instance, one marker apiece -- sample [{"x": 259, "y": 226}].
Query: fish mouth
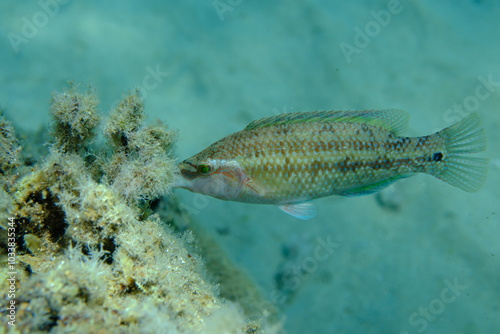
[{"x": 188, "y": 170}]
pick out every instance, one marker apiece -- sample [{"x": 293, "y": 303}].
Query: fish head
[{"x": 219, "y": 178}]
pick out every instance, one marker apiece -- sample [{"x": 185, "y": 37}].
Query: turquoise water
[{"x": 421, "y": 257}]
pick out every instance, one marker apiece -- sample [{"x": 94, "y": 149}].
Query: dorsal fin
[{"x": 391, "y": 119}]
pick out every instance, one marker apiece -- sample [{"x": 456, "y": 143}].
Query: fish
[{"x": 291, "y": 159}]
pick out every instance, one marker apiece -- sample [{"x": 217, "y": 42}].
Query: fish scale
[
  {"x": 293, "y": 158},
  {"x": 332, "y": 161}
]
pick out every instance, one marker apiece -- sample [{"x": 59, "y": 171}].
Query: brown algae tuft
[
  {"x": 75, "y": 118},
  {"x": 140, "y": 167}
]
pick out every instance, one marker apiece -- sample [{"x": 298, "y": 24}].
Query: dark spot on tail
[{"x": 437, "y": 156}]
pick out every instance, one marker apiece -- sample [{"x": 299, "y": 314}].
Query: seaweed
[{"x": 92, "y": 254}]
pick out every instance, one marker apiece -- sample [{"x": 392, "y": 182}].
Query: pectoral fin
[{"x": 303, "y": 211}]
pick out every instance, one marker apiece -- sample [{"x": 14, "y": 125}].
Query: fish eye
[{"x": 204, "y": 169}]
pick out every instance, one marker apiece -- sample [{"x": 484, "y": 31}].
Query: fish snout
[
  {"x": 187, "y": 173},
  {"x": 188, "y": 170}
]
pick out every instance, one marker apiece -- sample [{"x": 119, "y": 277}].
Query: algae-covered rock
[
  {"x": 75, "y": 118},
  {"x": 91, "y": 256}
]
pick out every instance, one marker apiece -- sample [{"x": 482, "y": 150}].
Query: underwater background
[{"x": 418, "y": 257}]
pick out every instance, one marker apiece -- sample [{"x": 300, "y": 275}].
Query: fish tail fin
[{"x": 460, "y": 169}]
